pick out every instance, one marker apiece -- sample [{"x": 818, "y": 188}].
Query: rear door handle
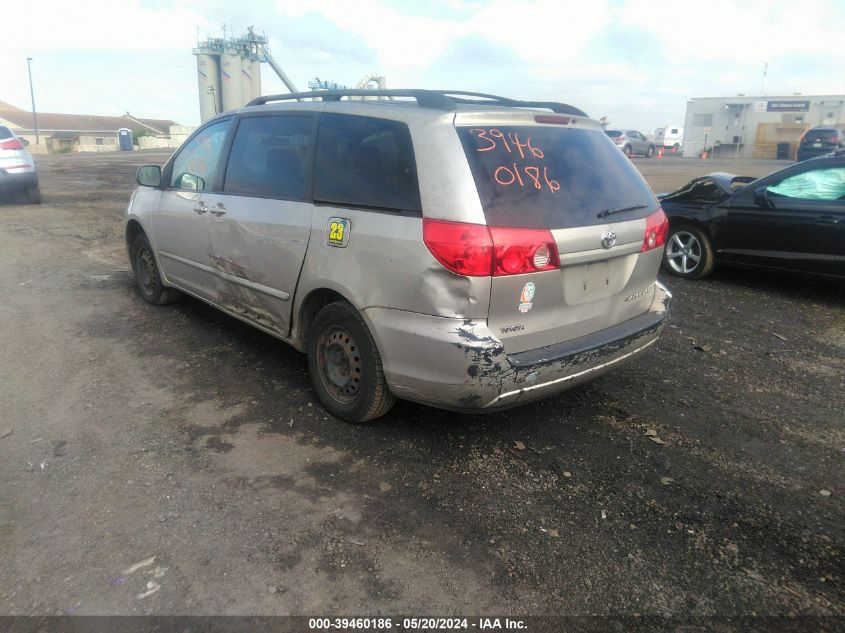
[
  {"x": 218, "y": 210},
  {"x": 200, "y": 208},
  {"x": 828, "y": 219}
]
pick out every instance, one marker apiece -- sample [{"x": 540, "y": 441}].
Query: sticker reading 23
[
  {"x": 517, "y": 150},
  {"x": 337, "y": 232}
]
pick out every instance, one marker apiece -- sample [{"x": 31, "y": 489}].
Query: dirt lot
[{"x": 129, "y": 432}]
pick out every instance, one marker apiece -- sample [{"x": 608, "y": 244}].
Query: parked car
[
  {"x": 18, "y": 174},
  {"x": 413, "y": 248},
  {"x": 793, "y": 219},
  {"x": 631, "y": 142},
  {"x": 819, "y": 141}
]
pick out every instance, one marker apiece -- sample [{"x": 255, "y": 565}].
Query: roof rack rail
[
  {"x": 554, "y": 106},
  {"x": 437, "y": 99},
  {"x": 426, "y": 98}
]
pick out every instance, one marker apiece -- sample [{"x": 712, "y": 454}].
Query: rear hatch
[
  {"x": 13, "y": 157},
  {"x": 821, "y": 139},
  {"x": 563, "y": 177}
]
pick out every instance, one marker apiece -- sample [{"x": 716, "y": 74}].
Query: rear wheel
[
  {"x": 688, "y": 252},
  {"x": 345, "y": 365},
  {"x": 147, "y": 275},
  {"x": 628, "y": 151},
  {"x": 33, "y": 194}
]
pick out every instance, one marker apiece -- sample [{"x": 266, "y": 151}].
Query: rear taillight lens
[
  {"x": 475, "y": 250},
  {"x": 517, "y": 251},
  {"x": 12, "y": 143},
  {"x": 656, "y": 228},
  {"x": 553, "y": 119},
  {"x": 465, "y": 249}
]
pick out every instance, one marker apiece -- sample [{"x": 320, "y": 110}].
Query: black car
[
  {"x": 793, "y": 219},
  {"x": 819, "y": 141}
]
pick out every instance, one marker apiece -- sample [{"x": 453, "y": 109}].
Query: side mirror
[
  {"x": 148, "y": 175},
  {"x": 761, "y": 198}
]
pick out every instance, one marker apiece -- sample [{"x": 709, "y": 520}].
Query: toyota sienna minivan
[{"x": 462, "y": 250}]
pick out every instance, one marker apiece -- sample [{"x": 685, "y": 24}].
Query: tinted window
[
  {"x": 270, "y": 156},
  {"x": 5, "y": 132},
  {"x": 816, "y": 184},
  {"x": 552, "y": 177},
  {"x": 613, "y": 133},
  {"x": 365, "y": 161},
  {"x": 195, "y": 167}
]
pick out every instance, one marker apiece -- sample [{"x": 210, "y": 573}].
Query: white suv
[{"x": 18, "y": 175}]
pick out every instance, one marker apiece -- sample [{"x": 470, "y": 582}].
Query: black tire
[
  {"x": 688, "y": 253},
  {"x": 33, "y": 194},
  {"x": 147, "y": 275},
  {"x": 628, "y": 151},
  {"x": 345, "y": 365},
  {"x": 650, "y": 151}
]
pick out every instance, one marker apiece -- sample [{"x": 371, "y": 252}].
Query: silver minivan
[{"x": 461, "y": 250}]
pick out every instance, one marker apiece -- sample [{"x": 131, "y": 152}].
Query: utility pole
[
  {"x": 763, "y": 82},
  {"x": 32, "y": 96}
]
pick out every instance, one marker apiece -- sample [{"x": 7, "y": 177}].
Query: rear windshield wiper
[{"x": 607, "y": 212}]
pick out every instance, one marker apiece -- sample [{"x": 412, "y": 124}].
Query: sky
[{"x": 634, "y": 61}]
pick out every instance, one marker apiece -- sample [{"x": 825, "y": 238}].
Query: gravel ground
[{"x": 174, "y": 461}]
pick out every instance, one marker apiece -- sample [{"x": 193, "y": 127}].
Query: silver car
[
  {"x": 466, "y": 251},
  {"x": 632, "y": 142},
  {"x": 18, "y": 175}
]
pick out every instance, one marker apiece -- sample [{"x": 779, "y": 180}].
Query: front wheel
[
  {"x": 147, "y": 274},
  {"x": 688, "y": 253},
  {"x": 650, "y": 151},
  {"x": 345, "y": 365}
]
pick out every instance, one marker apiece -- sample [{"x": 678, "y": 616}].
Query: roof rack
[
  {"x": 554, "y": 106},
  {"x": 426, "y": 98},
  {"x": 437, "y": 99}
]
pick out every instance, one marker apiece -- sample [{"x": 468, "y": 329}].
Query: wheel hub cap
[{"x": 339, "y": 361}]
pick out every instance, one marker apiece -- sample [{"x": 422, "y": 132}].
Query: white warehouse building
[{"x": 756, "y": 127}]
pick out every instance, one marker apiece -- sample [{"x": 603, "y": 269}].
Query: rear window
[
  {"x": 824, "y": 136},
  {"x": 552, "y": 177},
  {"x": 613, "y": 133},
  {"x": 364, "y": 161},
  {"x": 5, "y": 132}
]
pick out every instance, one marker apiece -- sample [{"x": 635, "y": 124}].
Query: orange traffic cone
[
  {"x": 704, "y": 155},
  {"x": 660, "y": 153}
]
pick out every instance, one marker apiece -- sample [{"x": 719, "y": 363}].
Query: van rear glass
[
  {"x": 5, "y": 132},
  {"x": 552, "y": 177}
]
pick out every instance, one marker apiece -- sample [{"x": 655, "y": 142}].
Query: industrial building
[
  {"x": 229, "y": 73},
  {"x": 77, "y": 132},
  {"x": 756, "y": 127}
]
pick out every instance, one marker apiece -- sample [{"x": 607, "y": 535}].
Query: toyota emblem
[{"x": 608, "y": 239}]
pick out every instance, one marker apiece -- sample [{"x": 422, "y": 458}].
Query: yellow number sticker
[{"x": 338, "y": 232}]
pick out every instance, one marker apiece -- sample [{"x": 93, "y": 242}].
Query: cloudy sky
[{"x": 634, "y": 61}]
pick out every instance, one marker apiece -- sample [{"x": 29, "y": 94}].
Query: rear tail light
[
  {"x": 475, "y": 250},
  {"x": 553, "y": 119},
  {"x": 656, "y": 228},
  {"x": 518, "y": 251},
  {"x": 12, "y": 143}
]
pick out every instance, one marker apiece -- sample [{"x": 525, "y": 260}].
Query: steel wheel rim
[
  {"x": 146, "y": 270},
  {"x": 683, "y": 252},
  {"x": 339, "y": 363}
]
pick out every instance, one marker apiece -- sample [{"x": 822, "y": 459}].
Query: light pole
[{"x": 32, "y": 96}]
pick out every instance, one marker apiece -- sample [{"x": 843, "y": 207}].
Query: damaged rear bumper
[{"x": 460, "y": 365}]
